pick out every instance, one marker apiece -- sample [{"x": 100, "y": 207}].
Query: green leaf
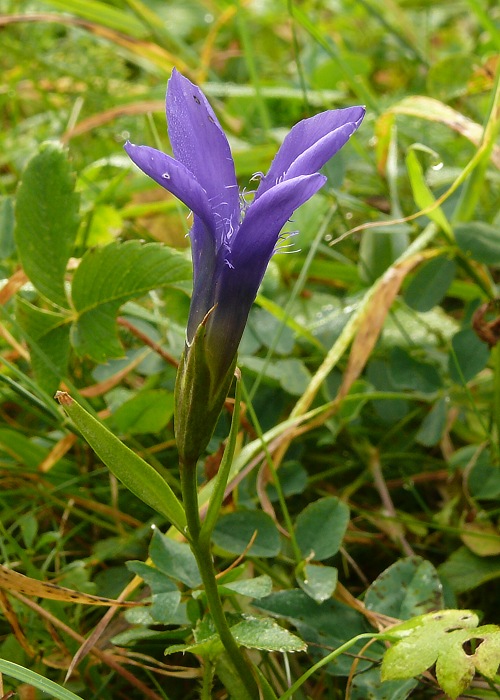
[
  {"x": 292, "y": 375},
  {"x": 279, "y": 313},
  {"x": 464, "y": 570},
  {"x": 106, "y": 221},
  {"x": 7, "y": 245},
  {"x": 410, "y": 372},
  {"x": 147, "y": 412},
  {"x": 484, "y": 479},
  {"x": 422, "y": 193},
  {"x": 320, "y": 528},
  {"x": 102, "y": 14},
  {"x": 136, "y": 474},
  {"x": 26, "y": 676},
  {"x": 433, "y": 425},
  {"x": 468, "y": 356},
  {"x": 409, "y": 587},
  {"x": 379, "y": 249},
  {"x": 293, "y": 480},
  {"x": 430, "y": 283},
  {"x": 209, "y": 648},
  {"x": 267, "y": 327},
  {"x": 165, "y": 598},
  {"x": 47, "y": 335},
  {"x": 157, "y": 580},
  {"x": 481, "y": 536},
  {"x": 379, "y": 374},
  {"x": 257, "y": 587},
  {"x": 47, "y": 220},
  {"x": 108, "y": 277},
  {"x": 164, "y": 607},
  {"x": 439, "y": 638},
  {"x": 325, "y": 626},
  {"x": 28, "y": 525},
  {"x": 264, "y": 633},
  {"x": 175, "y": 559},
  {"x": 420, "y": 640},
  {"x": 368, "y": 685},
  {"x": 21, "y": 448},
  {"x": 234, "y": 532},
  {"x": 317, "y": 581},
  {"x": 480, "y": 241}
]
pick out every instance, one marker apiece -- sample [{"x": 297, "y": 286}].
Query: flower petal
[
  {"x": 310, "y": 144},
  {"x": 255, "y": 241},
  {"x": 204, "y": 262},
  {"x": 198, "y": 141},
  {"x": 320, "y": 153},
  {"x": 239, "y": 275},
  {"x": 175, "y": 178}
]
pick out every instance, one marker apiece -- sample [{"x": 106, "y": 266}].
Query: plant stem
[
  {"x": 208, "y": 676},
  {"x": 200, "y": 547}
]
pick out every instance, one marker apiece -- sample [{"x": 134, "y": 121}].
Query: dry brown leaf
[
  {"x": 14, "y": 581},
  {"x": 373, "y": 320},
  {"x": 14, "y": 283}
]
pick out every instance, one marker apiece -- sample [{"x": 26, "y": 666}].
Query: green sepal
[
  {"x": 199, "y": 398},
  {"x": 137, "y": 475}
]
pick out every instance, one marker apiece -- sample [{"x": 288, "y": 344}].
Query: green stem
[
  {"x": 287, "y": 695},
  {"x": 189, "y": 490},
  {"x": 208, "y": 677},
  {"x": 200, "y": 547}
]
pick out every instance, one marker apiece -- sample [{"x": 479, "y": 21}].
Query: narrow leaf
[
  {"x": 136, "y": 474},
  {"x": 45, "y": 684},
  {"x": 423, "y": 195},
  {"x": 102, "y": 14},
  {"x": 429, "y": 109}
]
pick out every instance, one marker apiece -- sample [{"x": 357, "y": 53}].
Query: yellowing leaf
[
  {"x": 482, "y": 538},
  {"x": 14, "y": 581},
  {"x": 439, "y": 638}
]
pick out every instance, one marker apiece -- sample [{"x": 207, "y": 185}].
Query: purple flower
[{"x": 232, "y": 242}]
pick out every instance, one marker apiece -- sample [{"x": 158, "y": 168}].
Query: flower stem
[{"x": 200, "y": 547}]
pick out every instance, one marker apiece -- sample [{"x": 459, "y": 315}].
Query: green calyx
[{"x": 199, "y": 398}]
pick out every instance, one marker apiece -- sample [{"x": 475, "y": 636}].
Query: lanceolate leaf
[
  {"x": 107, "y": 278},
  {"x": 422, "y": 194},
  {"x": 25, "y": 675},
  {"x": 136, "y": 474},
  {"x": 47, "y": 220}
]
